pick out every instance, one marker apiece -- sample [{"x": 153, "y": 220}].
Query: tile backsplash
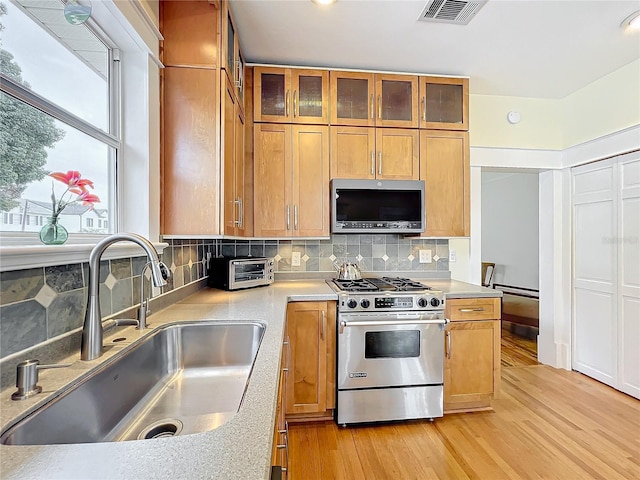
[
  {"x": 374, "y": 253},
  {"x": 39, "y": 304}
]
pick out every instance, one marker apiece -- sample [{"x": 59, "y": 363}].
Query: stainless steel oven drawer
[{"x": 386, "y": 404}]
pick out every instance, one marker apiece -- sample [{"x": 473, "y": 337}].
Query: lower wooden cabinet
[
  {"x": 472, "y": 354},
  {"x": 310, "y": 383},
  {"x": 280, "y": 449}
]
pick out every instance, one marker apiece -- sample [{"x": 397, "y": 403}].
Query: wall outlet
[
  {"x": 295, "y": 259},
  {"x": 452, "y": 255},
  {"x": 425, "y": 256}
]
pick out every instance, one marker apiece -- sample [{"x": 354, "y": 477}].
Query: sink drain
[{"x": 163, "y": 428}]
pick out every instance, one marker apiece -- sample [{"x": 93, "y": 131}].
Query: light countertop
[{"x": 239, "y": 449}]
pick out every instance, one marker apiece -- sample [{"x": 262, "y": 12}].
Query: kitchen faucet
[{"x": 92, "y": 330}]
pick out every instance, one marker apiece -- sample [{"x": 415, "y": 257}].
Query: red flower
[
  {"x": 72, "y": 179},
  {"x": 87, "y": 198},
  {"x": 75, "y": 184}
]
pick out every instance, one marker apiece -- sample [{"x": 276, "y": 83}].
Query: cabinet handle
[
  {"x": 238, "y": 202},
  {"x": 288, "y": 217},
  {"x": 324, "y": 320},
  {"x": 295, "y": 103},
  {"x": 380, "y": 162},
  {"x": 238, "y": 75},
  {"x": 288, "y": 355},
  {"x": 286, "y": 104},
  {"x": 373, "y": 163},
  {"x": 295, "y": 217},
  {"x": 373, "y": 106},
  {"x": 380, "y": 107},
  {"x": 448, "y": 335},
  {"x": 424, "y": 108},
  {"x": 467, "y": 310}
]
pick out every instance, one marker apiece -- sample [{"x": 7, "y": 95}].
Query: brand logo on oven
[{"x": 357, "y": 374}]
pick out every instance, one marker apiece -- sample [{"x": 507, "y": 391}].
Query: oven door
[{"x": 390, "y": 349}]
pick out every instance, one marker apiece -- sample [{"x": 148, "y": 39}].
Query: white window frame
[{"x": 135, "y": 32}]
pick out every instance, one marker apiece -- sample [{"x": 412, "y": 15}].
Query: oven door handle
[{"x": 365, "y": 323}]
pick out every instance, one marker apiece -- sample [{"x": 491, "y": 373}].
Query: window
[
  {"x": 59, "y": 112},
  {"x": 89, "y": 222}
]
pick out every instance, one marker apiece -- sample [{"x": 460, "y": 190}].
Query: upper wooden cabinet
[
  {"x": 368, "y": 99},
  {"x": 444, "y": 103},
  {"x": 291, "y": 191},
  {"x": 444, "y": 167},
  {"x": 190, "y": 31},
  {"x": 190, "y": 166},
  {"x": 233, "y": 164},
  {"x": 366, "y": 152},
  {"x": 286, "y": 95},
  {"x": 232, "y": 59}
]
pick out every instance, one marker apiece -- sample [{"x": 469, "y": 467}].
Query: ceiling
[{"x": 540, "y": 48}]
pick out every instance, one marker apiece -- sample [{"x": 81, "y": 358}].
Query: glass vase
[{"x": 53, "y": 233}]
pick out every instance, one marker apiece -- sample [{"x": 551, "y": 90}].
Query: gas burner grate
[
  {"x": 405, "y": 284},
  {"x": 361, "y": 285}
]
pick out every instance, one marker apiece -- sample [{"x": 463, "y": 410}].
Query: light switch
[{"x": 295, "y": 259}]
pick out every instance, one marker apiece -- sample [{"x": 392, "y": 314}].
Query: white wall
[{"x": 510, "y": 226}]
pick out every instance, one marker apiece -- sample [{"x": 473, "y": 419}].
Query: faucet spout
[{"x": 92, "y": 331}]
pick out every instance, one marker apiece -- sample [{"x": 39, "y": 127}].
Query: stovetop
[
  {"x": 375, "y": 284},
  {"x": 386, "y": 294}
]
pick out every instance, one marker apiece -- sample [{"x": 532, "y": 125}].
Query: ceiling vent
[{"x": 459, "y": 12}]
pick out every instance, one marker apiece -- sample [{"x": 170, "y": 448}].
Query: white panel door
[
  {"x": 594, "y": 272},
  {"x": 629, "y": 276}
]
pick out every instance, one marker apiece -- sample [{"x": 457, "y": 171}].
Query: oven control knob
[
  {"x": 422, "y": 302},
  {"x": 435, "y": 302},
  {"x": 364, "y": 303},
  {"x": 351, "y": 303}
]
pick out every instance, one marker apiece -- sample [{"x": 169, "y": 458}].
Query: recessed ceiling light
[
  {"x": 324, "y": 2},
  {"x": 632, "y": 22}
]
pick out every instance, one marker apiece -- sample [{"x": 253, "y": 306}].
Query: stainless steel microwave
[
  {"x": 234, "y": 273},
  {"x": 377, "y": 206}
]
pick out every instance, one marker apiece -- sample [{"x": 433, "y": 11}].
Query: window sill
[{"x": 16, "y": 255}]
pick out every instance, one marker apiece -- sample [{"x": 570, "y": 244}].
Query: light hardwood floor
[
  {"x": 547, "y": 424},
  {"x": 517, "y": 351}
]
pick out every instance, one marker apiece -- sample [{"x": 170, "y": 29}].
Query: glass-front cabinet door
[
  {"x": 444, "y": 103},
  {"x": 396, "y": 101},
  {"x": 272, "y": 91},
  {"x": 286, "y": 95},
  {"x": 352, "y": 98},
  {"x": 310, "y": 96}
]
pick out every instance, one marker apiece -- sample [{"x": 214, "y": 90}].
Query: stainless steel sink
[{"x": 183, "y": 378}]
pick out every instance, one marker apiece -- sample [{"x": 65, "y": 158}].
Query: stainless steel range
[{"x": 390, "y": 350}]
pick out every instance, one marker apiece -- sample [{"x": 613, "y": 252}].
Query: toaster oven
[{"x": 235, "y": 273}]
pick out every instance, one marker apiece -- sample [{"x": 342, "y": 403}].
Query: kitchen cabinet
[
  {"x": 289, "y": 95},
  {"x": 444, "y": 103},
  {"x": 472, "y": 354},
  {"x": 190, "y": 158},
  {"x": 233, "y": 151},
  {"x": 190, "y": 32},
  {"x": 383, "y": 153},
  {"x": 374, "y": 99},
  {"x": 291, "y": 171},
  {"x": 232, "y": 59},
  {"x": 444, "y": 167},
  {"x": 310, "y": 383},
  {"x": 280, "y": 449}
]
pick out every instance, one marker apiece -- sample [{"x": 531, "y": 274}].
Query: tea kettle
[{"x": 347, "y": 270}]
